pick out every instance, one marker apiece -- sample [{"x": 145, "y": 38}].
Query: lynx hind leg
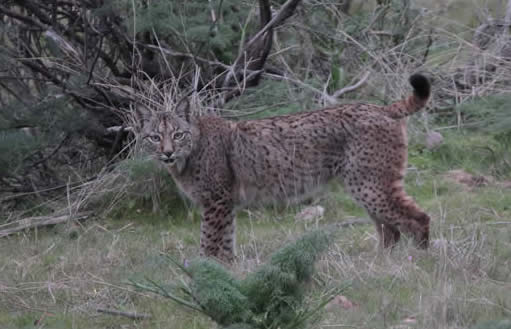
[
  {"x": 392, "y": 211},
  {"x": 217, "y": 233},
  {"x": 388, "y": 235},
  {"x": 412, "y": 220}
]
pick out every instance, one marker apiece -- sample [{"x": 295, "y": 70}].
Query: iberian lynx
[{"x": 222, "y": 165}]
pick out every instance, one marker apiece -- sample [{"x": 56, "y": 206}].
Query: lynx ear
[
  {"x": 141, "y": 114},
  {"x": 183, "y": 109}
]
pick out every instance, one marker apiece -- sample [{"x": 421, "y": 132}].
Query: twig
[
  {"x": 499, "y": 223},
  {"x": 347, "y": 89},
  {"x": 94, "y": 61},
  {"x": 131, "y": 315},
  {"x": 55, "y": 150},
  {"x": 159, "y": 290},
  {"x": 330, "y": 99},
  {"x": 428, "y": 46},
  {"x": 26, "y": 19}
]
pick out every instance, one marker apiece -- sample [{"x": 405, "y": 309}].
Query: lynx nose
[{"x": 167, "y": 157}]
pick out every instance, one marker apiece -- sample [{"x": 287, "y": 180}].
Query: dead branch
[
  {"x": 284, "y": 13},
  {"x": 347, "y": 89},
  {"x": 254, "y": 53},
  {"x": 40, "y": 221},
  {"x": 331, "y": 99}
]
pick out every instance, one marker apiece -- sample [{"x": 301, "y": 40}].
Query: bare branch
[
  {"x": 284, "y": 13},
  {"x": 347, "y": 89},
  {"x": 25, "y": 19},
  {"x": 331, "y": 99},
  {"x": 254, "y": 53}
]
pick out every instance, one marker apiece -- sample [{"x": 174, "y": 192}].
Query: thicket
[{"x": 66, "y": 67}]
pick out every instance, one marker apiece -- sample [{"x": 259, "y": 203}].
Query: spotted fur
[{"x": 221, "y": 165}]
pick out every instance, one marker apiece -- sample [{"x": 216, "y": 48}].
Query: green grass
[
  {"x": 56, "y": 277},
  {"x": 477, "y": 153}
]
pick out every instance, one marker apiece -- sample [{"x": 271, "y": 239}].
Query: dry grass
[{"x": 58, "y": 277}]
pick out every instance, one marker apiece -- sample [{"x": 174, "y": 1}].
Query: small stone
[
  {"x": 433, "y": 140},
  {"x": 410, "y": 320}
]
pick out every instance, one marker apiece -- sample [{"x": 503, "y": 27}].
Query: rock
[{"x": 433, "y": 139}]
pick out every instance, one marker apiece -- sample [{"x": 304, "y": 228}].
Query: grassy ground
[{"x": 57, "y": 277}]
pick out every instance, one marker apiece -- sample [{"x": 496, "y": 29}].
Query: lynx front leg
[{"x": 217, "y": 232}]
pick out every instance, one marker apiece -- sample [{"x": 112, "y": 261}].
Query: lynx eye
[
  {"x": 155, "y": 138},
  {"x": 178, "y": 135}
]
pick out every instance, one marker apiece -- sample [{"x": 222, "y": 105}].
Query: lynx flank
[{"x": 222, "y": 165}]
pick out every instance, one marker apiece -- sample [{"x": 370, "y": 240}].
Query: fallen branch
[
  {"x": 131, "y": 315},
  {"x": 40, "y": 221}
]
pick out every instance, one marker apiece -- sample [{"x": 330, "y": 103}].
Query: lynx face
[{"x": 173, "y": 137}]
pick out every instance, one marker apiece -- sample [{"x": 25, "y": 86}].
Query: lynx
[{"x": 223, "y": 165}]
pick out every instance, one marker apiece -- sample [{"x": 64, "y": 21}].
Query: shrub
[{"x": 271, "y": 297}]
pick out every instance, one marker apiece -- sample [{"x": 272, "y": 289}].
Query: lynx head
[{"x": 173, "y": 135}]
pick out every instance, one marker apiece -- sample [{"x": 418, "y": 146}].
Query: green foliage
[
  {"x": 146, "y": 186},
  {"x": 270, "y": 98},
  {"x": 276, "y": 289},
  {"x": 270, "y": 297},
  {"x": 299, "y": 258},
  {"x": 485, "y": 142},
  {"x": 218, "y": 293},
  {"x": 141, "y": 169},
  {"x": 397, "y": 17},
  {"x": 51, "y": 115},
  {"x": 14, "y": 148},
  {"x": 113, "y": 7},
  {"x": 338, "y": 76},
  {"x": 53, "y": 119},
  {"x": 477, "y": 152},
  {"x": 189, "y": 25},
  {"x": 488, "y": 114}
]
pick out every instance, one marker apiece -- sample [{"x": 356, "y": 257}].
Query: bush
[{"x": 271, "y": 297}]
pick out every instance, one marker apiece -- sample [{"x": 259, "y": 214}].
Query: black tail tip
[{"x": 421, "y": 85}]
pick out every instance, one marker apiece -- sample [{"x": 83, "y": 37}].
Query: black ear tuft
[
  {"x": 183, "y": 109},
  {"x": 421, "y": 85}
]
